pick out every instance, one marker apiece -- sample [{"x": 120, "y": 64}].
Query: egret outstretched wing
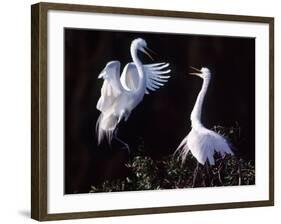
[
  {"x": 204, "y": 143},
  {"x": 154, "y": 75},
  {"x": 129, "y": 77},
  {"x": 111, "y": 87},
  {"x": 110, "y": 91}
]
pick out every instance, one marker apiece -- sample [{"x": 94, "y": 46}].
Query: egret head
[
  {"x": 204, "y": 72},
  {"x": 140, "y": 44}
]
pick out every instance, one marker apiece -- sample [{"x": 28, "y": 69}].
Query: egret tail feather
[
  {"x": 182, "y": 151},
  {"x": 105, "y": 127}
]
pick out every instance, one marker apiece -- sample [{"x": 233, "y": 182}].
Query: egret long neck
[
  {"x": 197, "y": 109},
  {"x": 138, "y": 63}
]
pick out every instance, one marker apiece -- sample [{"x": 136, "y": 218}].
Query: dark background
[{"x": 161, "y": 120}]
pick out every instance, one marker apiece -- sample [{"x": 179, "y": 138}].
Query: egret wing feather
[
  {"x": 111, "y": 87},
  {"x": 182, "y": 150},
  {"x": 110, "y": 91},
  {"x": 154, "y": 76},
  {"x": 129, "y": 77},
  {"x": 202, "y": 144}
]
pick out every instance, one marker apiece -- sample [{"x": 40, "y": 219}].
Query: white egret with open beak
[{"x": 200, "y": 141}]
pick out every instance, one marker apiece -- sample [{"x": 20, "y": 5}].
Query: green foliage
[{"x": 169, "y": 173}]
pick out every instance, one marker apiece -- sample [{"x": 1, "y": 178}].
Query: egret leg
[
  {"x": 219, "y": 171},
  {"x": 239, "y": 172},
  {"x": 195, "y": 174},
  {"x": 125, "y": 145},
  {"x": 207, "y": 170},
  {"x": 221, "y": 166}
]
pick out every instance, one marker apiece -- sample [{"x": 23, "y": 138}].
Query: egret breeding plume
[
  {"x": 202, "y": 142},
  {"x": 120, "y": 95}
]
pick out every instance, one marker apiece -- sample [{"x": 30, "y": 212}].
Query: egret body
[
  {"x": 202, "y": 142},
  {"x": 120, "y": 95}
]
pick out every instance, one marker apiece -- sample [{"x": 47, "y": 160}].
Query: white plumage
[
  {"x": 200, "y": 141},
  {"x": 120, "y": 95}
]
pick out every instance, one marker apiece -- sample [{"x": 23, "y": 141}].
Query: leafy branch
[{"x": 169, "y": 173}]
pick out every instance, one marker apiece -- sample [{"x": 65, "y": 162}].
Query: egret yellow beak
[
  {"x": 197, "y": 72},
  {"x": 144, "y": 50},
  {"x": 151, "y": 51}
]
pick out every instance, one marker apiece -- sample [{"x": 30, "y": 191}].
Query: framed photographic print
[{"x": 138, "y": 111}]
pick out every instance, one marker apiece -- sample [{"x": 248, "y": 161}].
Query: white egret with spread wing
[
  {"x": 120, "y": 95},
  {"x": 202, "y": 142}
]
